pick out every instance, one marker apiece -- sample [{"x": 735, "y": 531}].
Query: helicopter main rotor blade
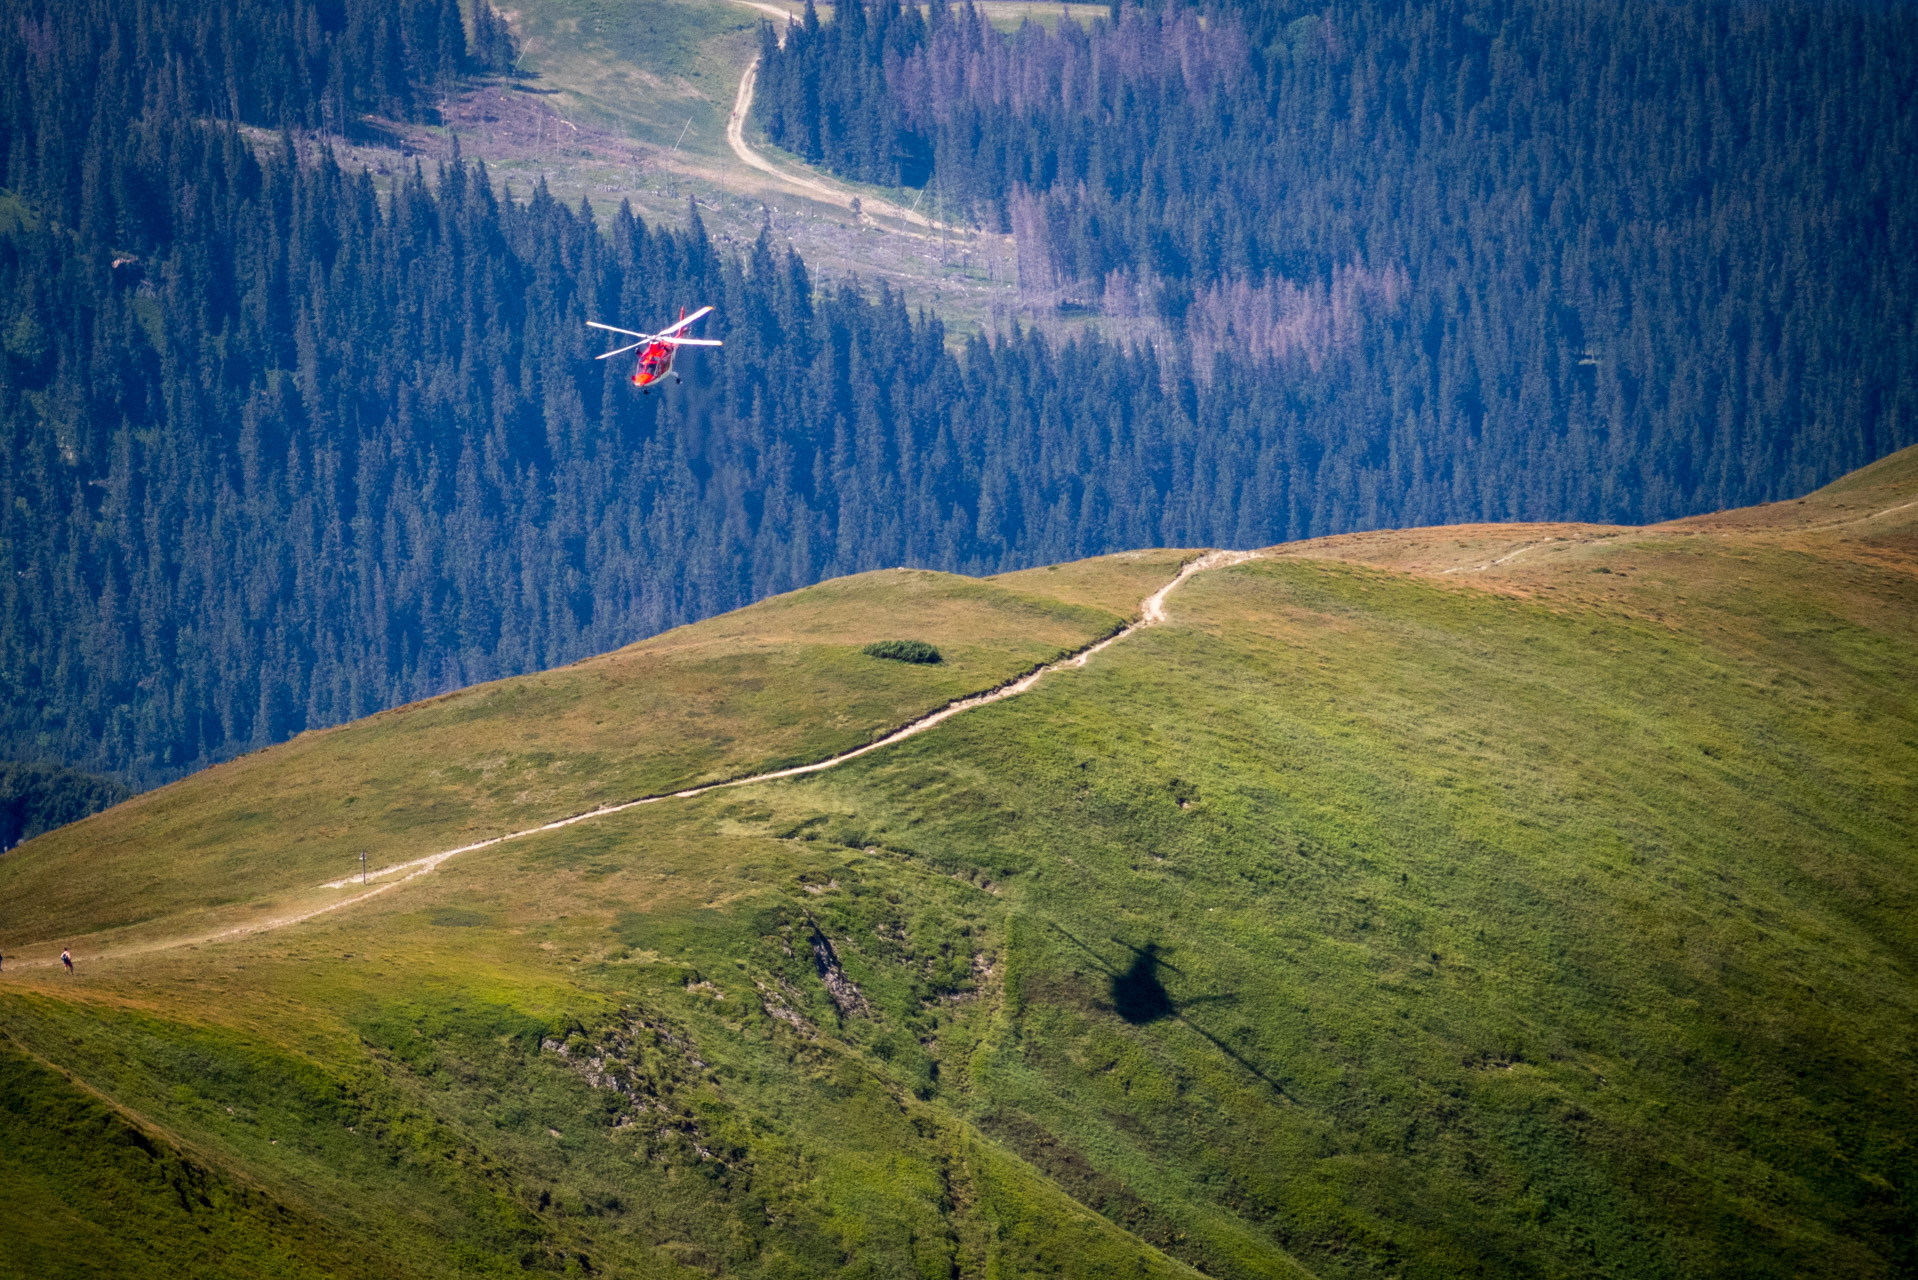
[
  {"x": 693, "y": 342},
  {"x": 676, "y": 326},
  {"x": 621, "y": 351},
  {"x": 613, "y": 328}
]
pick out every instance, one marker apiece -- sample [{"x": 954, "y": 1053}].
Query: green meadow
[
  {"x": 1388, "y": 911},
  {"x": 777, "y": 685}
]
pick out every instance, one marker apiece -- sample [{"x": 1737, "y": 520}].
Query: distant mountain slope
[
  {"x": 285, "y": 442},
  {"x": 1491, "y": 900}
]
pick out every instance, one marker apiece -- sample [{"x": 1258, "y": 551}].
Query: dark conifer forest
[
  {"x": 39, "y": 797},
  {"x": 1592, "y": 258},
  {"x": 281, "y": 449}
]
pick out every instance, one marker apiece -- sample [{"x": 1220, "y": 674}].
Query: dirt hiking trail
[
  {"x": 1152, "y": 612},
  {"x": 866, "y": 206}
]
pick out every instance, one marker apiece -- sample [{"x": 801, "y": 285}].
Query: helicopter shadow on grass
[{"x": 1140, "y": 997}]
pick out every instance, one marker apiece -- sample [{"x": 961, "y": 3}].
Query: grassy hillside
[
  {"x": 778, "y": 684},
  {"x": 1493, "y": 900}
]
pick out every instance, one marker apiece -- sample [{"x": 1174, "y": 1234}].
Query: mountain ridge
[{"x": 1512, "y": 900}]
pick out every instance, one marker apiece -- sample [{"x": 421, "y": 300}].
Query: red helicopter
[{"x": 656, "y": 350}]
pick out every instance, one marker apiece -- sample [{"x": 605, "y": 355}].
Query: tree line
[{"x": 39, "y": 797}]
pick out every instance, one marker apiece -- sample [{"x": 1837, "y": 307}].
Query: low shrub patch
[{"x": 903, "y": 651}]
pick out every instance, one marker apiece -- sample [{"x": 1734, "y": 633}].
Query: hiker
[{"x": 66, "y": 958}]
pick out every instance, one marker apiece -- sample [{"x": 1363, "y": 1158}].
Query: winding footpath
[
  {"x": 1152, "y": 612},
  {"x": 1625, "y": 532},
  {"x": 825, "y": 190}
]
